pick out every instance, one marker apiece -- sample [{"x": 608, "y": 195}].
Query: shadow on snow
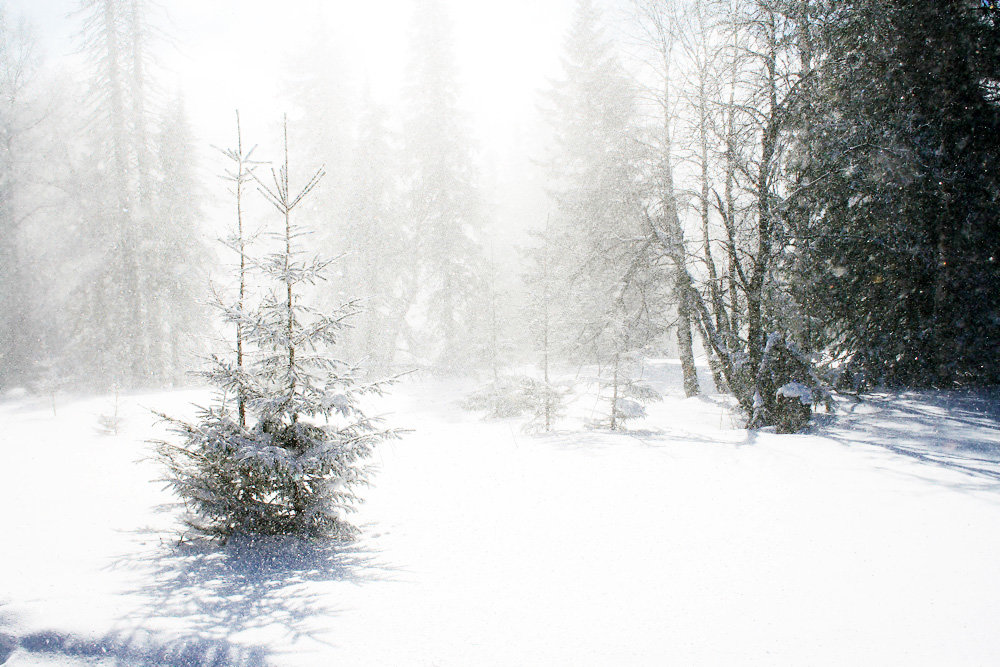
[
  {"x": 215, "y": 592},
  {"x": 139, "y": 649},
  {"x": 955, "y": 430}
]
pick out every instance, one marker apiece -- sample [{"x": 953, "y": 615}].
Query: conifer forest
[{"x": 457, "y": 332}]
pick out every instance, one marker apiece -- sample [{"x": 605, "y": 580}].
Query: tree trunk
[
  {"x": 762, "y": 257},
  {"x": 684, "y": 339},
  {"x": 676, "y": 232},
  {"x": 614, "y": 396}
]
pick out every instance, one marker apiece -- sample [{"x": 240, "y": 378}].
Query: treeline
[
  {"x": 808, "y": 187},
  {"x": 804, "y": 191},
  {"x": 107, "y": 247},
  {"x": 101, "y": 254}
]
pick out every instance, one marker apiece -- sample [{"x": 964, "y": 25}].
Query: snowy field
[{"x": 872, "y": 540}]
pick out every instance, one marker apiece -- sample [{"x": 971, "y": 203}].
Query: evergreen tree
[
  {"x": 240, "y": 175},
  {"x": 902, "y": 203},
  {"x": 611, "y": 285},
  {"x": 375, "y": 261},
  {"x": 108, "y": 310},
  {"x": 126, "y": 332},
  {"x": 19, "y": 118},
  {"x": 176, "y": 256},
  {"x": 444, "y": 205},
  {"x": 293, "y": 467}
]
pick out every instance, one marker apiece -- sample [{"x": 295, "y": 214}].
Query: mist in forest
[{"x": 786, "y": 195}]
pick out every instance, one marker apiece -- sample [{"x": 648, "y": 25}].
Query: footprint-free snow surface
[{"x": 873, "y": 539}]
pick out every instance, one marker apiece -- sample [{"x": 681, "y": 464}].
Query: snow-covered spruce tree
[
  {"x": 619, "y": 381},
  {"x": 294, "y": 466},
  {"x": 109, "y": 338}
]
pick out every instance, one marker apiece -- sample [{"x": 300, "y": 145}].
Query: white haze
[{"x": 225, "y": 54}]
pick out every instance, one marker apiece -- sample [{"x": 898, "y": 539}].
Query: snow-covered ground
[{"x": 874, "y": 539}]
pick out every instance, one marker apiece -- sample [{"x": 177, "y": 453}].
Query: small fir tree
[
  {"x": 294, "y": 464},
  {"x": 240, "y": 175},
  {"x": 542, "y": 317},
  {"x": 626, "y": 392}
]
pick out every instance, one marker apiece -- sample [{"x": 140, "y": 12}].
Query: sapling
[{"x": 291, "y": 463}]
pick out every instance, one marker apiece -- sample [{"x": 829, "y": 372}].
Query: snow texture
[{"x": 685, "y": 540}]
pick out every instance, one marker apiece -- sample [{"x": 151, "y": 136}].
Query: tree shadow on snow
[
  {"x": 135, "y": 649},
  {"x": 8, "y": 642},
  {"x": 253, "y": 582},
  {"x": 958, "y": 431},
  {"x": 213, "y": 591},
  {"x": 216, "y": 591},
  {"x": 139, "y": 649}
]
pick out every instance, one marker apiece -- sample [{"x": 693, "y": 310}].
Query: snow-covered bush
[
  {"x": 787, "y": 388},
  {"x": 548, "y": 404},
  {"x": 628, "y": 400},
  {"x": 109, "y": 423},
  {"x": 283, "y": 448},
  {"x": 505, "y": 397},
  {"x": 514, "y": 395}
]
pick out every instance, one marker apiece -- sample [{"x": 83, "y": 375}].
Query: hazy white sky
[{"x": 225, "y": 54}]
